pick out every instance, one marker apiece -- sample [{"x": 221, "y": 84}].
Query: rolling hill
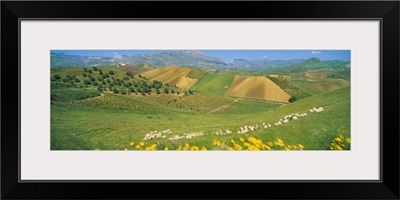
[
  {"x": 171, "y": 75},
  {"x": 257, "y": 87}
]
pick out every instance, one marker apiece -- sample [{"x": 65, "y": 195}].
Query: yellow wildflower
[
  {"x": 137, "y": 146},
  {"x": 268, "y": 148},
  {"x": 166, "y": 149},
  {"x": 230, "y": 149},
  {"x": 132, "y": 143},
  {"x": 270, "y": 144},
  {"x": 253, "y": 148},
  {"x": 194, "y": 148},
  {"x": 233, "y": 141},
  {"x": 186, "y": 147},
  {"x": 97, "y": 149},
  {"x": 141, "y": 143},
  {"x": 152, "y": 147},
  {"x": 126, "y": 149},
  {"x": 241, "y": 139},
  {"x": 279, "y": 142},
  {"x": 217, "y": 142},
  {"x": 301, "y": 146},
  {"x": 348, "y": 140},
  {"x": 247, "y": 144},
  {"x": 338, "y": 139},
  {"x": 203, "y": 148},
  {"x": 238, "y": 147},
  {"x": 179, "y": 148}
]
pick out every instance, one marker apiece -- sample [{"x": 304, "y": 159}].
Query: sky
[{"x": 229, "y": 55}]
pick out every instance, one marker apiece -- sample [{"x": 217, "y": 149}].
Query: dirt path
[{"x": 222, "y": 107}]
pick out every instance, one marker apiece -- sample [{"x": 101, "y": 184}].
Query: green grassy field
[
  {"x": 216, "y": 83},
  {"x": 84, "y": 119}
]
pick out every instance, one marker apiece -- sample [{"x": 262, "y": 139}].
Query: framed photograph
[{"x": 282, "y": 95}]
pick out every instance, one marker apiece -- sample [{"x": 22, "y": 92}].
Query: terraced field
[
  {"x": 316, "y": 87},
  {"x": 257, "y": 87},
  {"x": 171, "y": 75}
]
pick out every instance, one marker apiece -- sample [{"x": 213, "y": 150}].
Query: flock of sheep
[
  {"x": 242, "y": 130},
  {"x": 187, "y": 136},
  {"x": 156, "y": 134},
  {"x": 320, "y": 109},
  {"x": 226, "y": 132},
  {"x": 291, "y": 117}
]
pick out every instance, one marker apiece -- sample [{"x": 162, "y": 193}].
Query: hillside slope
[
  {"x": 257, "y": 87},
  {"x": 171, "y": 75}
]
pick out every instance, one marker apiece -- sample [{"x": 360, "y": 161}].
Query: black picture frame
[{"x": 386, "y": 11}]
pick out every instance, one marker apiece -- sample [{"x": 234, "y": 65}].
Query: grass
[
  {"x": 82, "y": 119},
  {"x": 326, "y": 85},
  {"x": 215, "y": 83},
  {"x": 73, "y": 94},
  {"x": 77, "y": 126}
]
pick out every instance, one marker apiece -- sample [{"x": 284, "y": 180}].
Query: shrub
[
  {"x": 100, "y": 89},
  {"x": 292, "y": 99},
  {"x": 115, "y": 91},
  {"x": 56, "y": 77}
]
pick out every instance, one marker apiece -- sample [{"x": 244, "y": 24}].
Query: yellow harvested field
[
  {"x": 187, "y": 83},
  {"x": 171, "y": 75},
  {"x": 257, "y": 87},
  {"x": 313, "y": 76}
]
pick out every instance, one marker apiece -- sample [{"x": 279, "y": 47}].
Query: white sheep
[{"x": 320, "y": 109}]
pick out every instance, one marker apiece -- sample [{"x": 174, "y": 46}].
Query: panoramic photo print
[{"x": 173, "y": 100}]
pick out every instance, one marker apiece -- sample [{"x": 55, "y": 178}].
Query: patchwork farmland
[{"x": 140, "y": 107}]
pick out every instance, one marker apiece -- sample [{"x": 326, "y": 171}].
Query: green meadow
[{"x": 112, "y": 108}]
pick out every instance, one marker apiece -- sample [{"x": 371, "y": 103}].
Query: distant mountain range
[{"x": 174, "y": 58}]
